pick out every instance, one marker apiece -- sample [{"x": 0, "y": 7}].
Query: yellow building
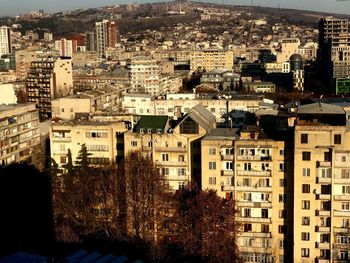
[
  {"x": 174, "y": 149},
  {"x": 210, "y": 59},
  {"x": 256, "y": 171},
  {"x": 321, "y": 185}
]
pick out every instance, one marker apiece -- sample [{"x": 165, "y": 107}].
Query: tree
[
  {"x": 69, "y": 164},
  {"x": 206, "y": 229},
  {"x": 82, "y": 159}
]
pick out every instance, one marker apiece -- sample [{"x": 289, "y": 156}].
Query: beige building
[
  {"x": 49, "y": 78},
  {"x": 211, "y": 59},
  {"x": 289, "y": 46},
  {"x": 254, "y": 170},
  {"x": 103, "y": 139},
  {"x": 19, "y": 132},
  {"x": 321, "y": 185},
  {"x": 175, "y": 150}
]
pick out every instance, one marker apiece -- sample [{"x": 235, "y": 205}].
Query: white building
[
  {"x": 66, "y": 47},
  {"x": 5, "y": 40},
  {"x": 8, "y": 94}
]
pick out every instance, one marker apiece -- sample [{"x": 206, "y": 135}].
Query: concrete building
[
  {"x": 19, "y": 132},
  {"x": 221, "y": 79},
  {"x": 289, "y": 46},
  {"x": 256, "y": 171},
  {"x": 175, "y": 150},
  {"x": 8, "y": 93},
  {"x": 321, "y": 184},
  {"x": 297, "y": 71},
  {"x": 66, "y": 47},
  {"x": 106, "y": 34},
  {"x": 49, "y": 78},
  {"x": 103, "y": 140},
  {"x": 5, "y": 40},
  {"x": 211, "y": 59}
]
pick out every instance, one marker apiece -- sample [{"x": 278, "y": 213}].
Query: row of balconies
[
  {"x": 254, "y": 158},
  {"x": 254, "y": 173},
  {"x": 254, "y": 204},
  {"x": 254, "y": 220}
]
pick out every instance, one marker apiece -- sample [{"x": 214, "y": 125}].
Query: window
[
  {"x": 305, "y": 204},
  {"x": 282, "y": 229},
  {"x": 345, "y": 206},
  {"x": 337, "y": 138},
  {"x": 212, "y": 151},
  {"x": 134, "y": 143},
  {"x": 181, "y": 185},
  {"x": 246, "y": 181},
  {"x": 246, "y": 212},
  {"x": 305, "y": 220},
  {"x": 306, "y": 172},
  {"x": 181, "y": 158},
  {"x": 346, "y": 189},
  {"x": 179, "y": 144},
  {"x": 305, "y": 236},
  {"x": 63, "y": 159},
  {"x": 212, "y": 180},
  {"x": 282, "y": 152},
  {"x": 265, "y": 228},
  {"x": 265, "y": 242},
  {"x": 282, "y": 214},
  {"x": 305, "y": 252},
  {"x": 165, "y": 157},
  {"x": 181, "y": 171},
  {"x": 212, "y": 165},
  {"x": 305, "y": 188},
  {"x": 281, "y": 243},
  {"x": 264, "y": 213},
  {"x": 165, "y": 171},
  {"x": 283, "y": 182},
  {"x": 327, "y": 156},
  {"x": 247, "y": 197},
  {"x": 304, "y": 138},
  {"x": 345, "y": 222},
  {"x": 247, "y": 227},
  {"x": 282, "y": 198},
  {"x": 189, "y": 126},
  {"x": 344, "y": 255},
  {"x": 283, "y": 167},
  {"x": 228, "y": 165},
  {"x": 345, "y": 173},
  {"x": 247, "y": 166},
  {"x": 306, "y": 156}
]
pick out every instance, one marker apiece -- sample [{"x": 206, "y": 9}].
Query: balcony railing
[
  {"x": 341, "y": 180},
  {"x": 227, "y": 172},
  {"x": 254, "y": 220},
  {"x": 323, "y": 245},
  {"x": 342, "y": 197},
  {"x": 255, "y": 234},
  {"x": 323, "y": 196},
  {"x": 227, "y": 188},
  {"x": 341, "y": 229},
  {"x": 254, "y": 204},
  {"x": 324, "y": 164},
  {"x": 254, "y": 158},
  {"x": 227, "y": 157},
  {"x": 172, "y": 163},
  {"x": 323, "y": 212},
  {"x": 254, "y": 188},
  {"x": 170, "y": 149},
  {"x": 326, "y": 180},
  {"x": 61, "y": 139},
  {"x": 323, "y": 229},
  {"x": 341, "y": 213},
  {"x": 254, "y": 173}
]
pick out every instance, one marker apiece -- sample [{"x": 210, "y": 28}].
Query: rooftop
[{"x": 320, "y": 108}]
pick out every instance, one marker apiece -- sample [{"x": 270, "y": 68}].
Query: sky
[{"x": 15, "y": 7}]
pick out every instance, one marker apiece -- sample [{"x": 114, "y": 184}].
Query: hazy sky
[{"x": 14, "y": 7}]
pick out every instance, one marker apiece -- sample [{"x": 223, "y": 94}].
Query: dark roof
[
  {"x": 202, "y": 116},
  {"x": 296, "y": 57},
  {"x": 222, "y": 133},
  {"x": 152, "y": 122},
  {"x": 320, "y": 108}
]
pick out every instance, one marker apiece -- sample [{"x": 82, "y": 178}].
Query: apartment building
[
  {"x": 174, "y": 148},
  {"x": 5, "y": 40},
  {"x": 256, "y": 171},
  {"x": 289, "y": 46},
  {"x": 177, "y": 104},
  {"x": 66, "y": 47},
  {"x": 211, "y": 59},
  {"x": 85, "y": 103},
  {"x": 49, "y": 78},
  {"x": 103, "y": 139},
  {"x": 321, "y": 185},
  {"x": 19, "y": 132}
]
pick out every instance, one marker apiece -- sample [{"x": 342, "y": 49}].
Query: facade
[
  {"x": 101, "y": 138},
  {"x": 106, "y": 35},
  {"x": 321, "y": 185},
  {"x": 8, "y": 93},
  {"x": 5, "y": 40},
  {"x": 211, "y": 59},
  {"x": 221, "y": 79},
  {"x": 256, "y": 171},
  {"x": 289, "y": 46},
  {"x": 49, "y": 78},
  {"x": 175, "y": 150},
  {"x": 259, "y": 86},
  {"x": 19, "y": 132},
  {"x": 66, "y": 47}
]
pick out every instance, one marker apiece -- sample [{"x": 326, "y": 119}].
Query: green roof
[{"x": 151, "y": 122}]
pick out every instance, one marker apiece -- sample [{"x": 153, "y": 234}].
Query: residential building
[
  {"x": 66, "y": 47},
  {"x": 210, "y": 59},
  {"x": 321, "y": 184},
  {"x": 49, "y": 78},
  {"x": 5, "y": 40},
  {"x": 221, "y": 79},
  {"x": 106, "y": 34},
  {"x": 8, "y": 93},
  {"x": 289, "y": 46},
  {"x": 19, "y": 132}
]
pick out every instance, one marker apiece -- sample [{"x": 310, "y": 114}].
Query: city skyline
[{"x": 16, "y": 7}]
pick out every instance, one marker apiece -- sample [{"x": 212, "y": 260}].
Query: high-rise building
[
  {"x": 106, "y": 35},
  {"x": 5, "y": 40},
  {"x": 48, "y": 78},
  {"x": 334, "y": 51},
  {"x": 321, "y": 184},
  {"x": 66, "y": 47},
  {"x": 19, "y": 132}
]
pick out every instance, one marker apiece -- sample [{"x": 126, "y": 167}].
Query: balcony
[
  {"x": 254, "y": 220},
  {"x": 172, "y": 163},
  {"x": 254, "y": 173},
  {"x": 227, "y": 157},
  {"x": 146, "y": 148},
  {"x": 323, "y": 164},
  {"x": 341, "y": 229},
  {"x": 61, "y": 139},
  {"x": 176, "y": 177},
  {"x": 326, "y": 180},
  {"x": 254, "y": 204},
  {"x": 254, "y": 158},
  {"x": 342, "y": 197},
  {"x": 322, "y": 260},
  {"x": 254, "y": 188},
  {"x": 323, "y": 245},
  {"x": 323, "y": 213},
  {"x": 341, "y": 164},
  {"x": 171, "y": 149},
  {"x": 341, "y": 213},
  {"x": 227, "y": 172},
  {"x": 255, "y": 234},
  {"x": 323, "y": 229},
  {"x": 323, "y": 197},
  {"x": 227, "y": 188},
  {"x": 341, "y": 180}
]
